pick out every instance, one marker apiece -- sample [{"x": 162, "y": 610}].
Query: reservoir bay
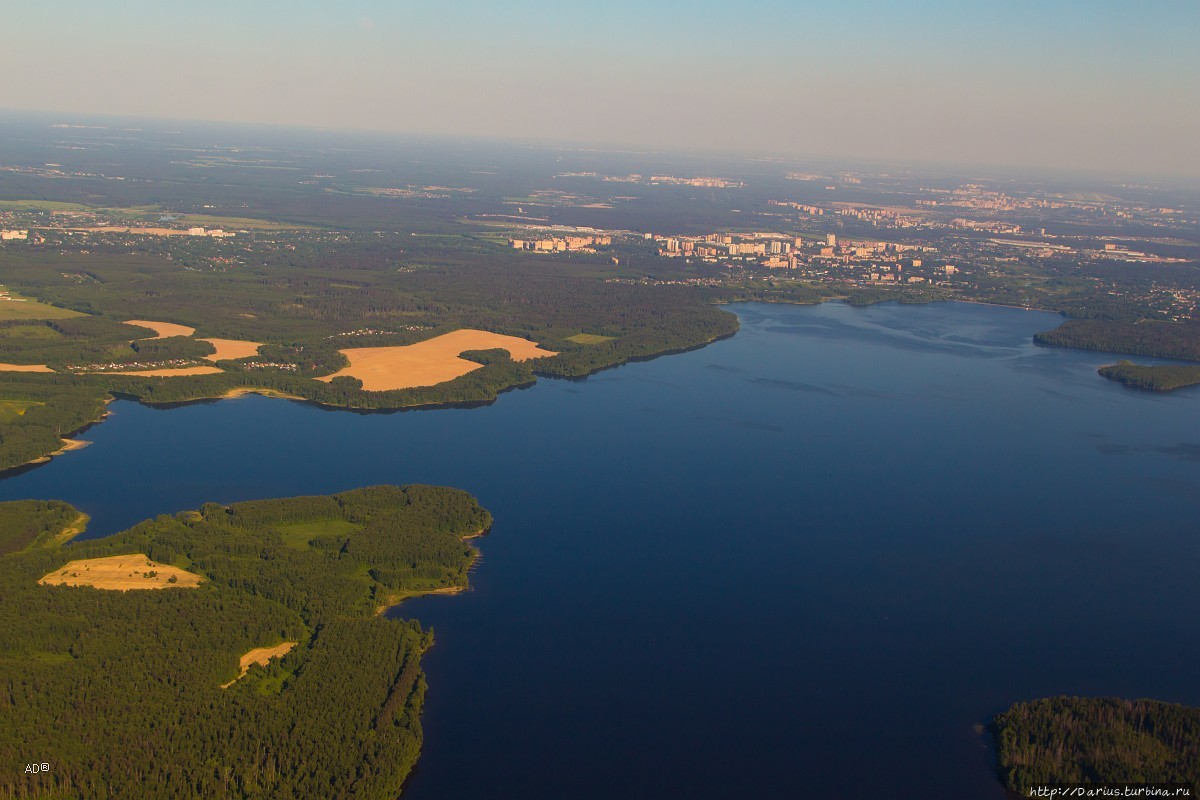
[{"x": 807, "y": 560}]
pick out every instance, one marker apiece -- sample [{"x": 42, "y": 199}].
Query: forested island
[
  {"x": 1061, "y": 740},
  {"x": 1153, "y": 377},
  {"x": 245, "y": 656}
]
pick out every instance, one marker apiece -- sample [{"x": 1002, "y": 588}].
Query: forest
[
  {"x": 319, "y": 266},
  {"x": 1178, "y": 340},
  {"x": 25, "y": 522},
  {"x": 1153, "y": 377},
  {"x": 1061, "y": 740},
  {"x": 37, "y": 411},
  {"x": 307, "y": 298},
  {"x": 121, "y": 691}
]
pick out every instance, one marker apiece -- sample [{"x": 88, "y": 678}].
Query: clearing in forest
[
  {"x": 24, "y": 368},
  {"x": 589, "y": 338},
  {"x": 430, "y": 362},
  {"x": 231, "y": 349},
  {"x": 260, "y": 656},
  {"x": 120, "y": 573},
  {"x": 163, "y": 329}
]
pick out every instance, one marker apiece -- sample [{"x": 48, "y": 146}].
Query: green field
[
  {"x": 24, "y": 308},
  {"x": 29, "y": 332},
  {"x": 10, "y": 410},
  {"x": 40, "y": 205},
  {"x": 589, "y": 338},
  {"x": 237, "y": 223},
  {"x": 299, "y": 534}
]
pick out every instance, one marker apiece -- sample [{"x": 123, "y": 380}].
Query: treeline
[
  {"x": 302, "y": 292},
  {"x": 686, "y": 329},
  {"x": 54, "y": 406},
  {"x": 481, "y": 385},
  {"x": 120, "y": 691},
  {"x": 1178, "y": 340},
  {"x": 1061, "y": 740},
  {"x": 1152, "y": 377},
  {"x": 25, "y": 522},
  {"x": 80, "y": 341}
]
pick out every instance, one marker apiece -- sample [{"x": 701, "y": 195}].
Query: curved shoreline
[
  {"x": 241, "y": 391},
  {"x": 395, "y": 600}
]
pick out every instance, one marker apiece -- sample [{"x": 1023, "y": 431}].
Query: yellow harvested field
[
  {"x": 177, "y": 372},
  {"x": 430, "y": 362},
  {"x": 24, "y": 368},
  {"x": 121, "y": 573},
  {"x": 163, "y": 329},
  {"x": 232, "y": 348},
  {"x": 260, "y": 656}
]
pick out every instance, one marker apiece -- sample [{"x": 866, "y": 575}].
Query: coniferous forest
[
  {"x": 120, "y": 692},
  {"x": 1060, "y": 740}
]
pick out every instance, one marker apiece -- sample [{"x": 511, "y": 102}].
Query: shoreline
[
  {"x": 242, "y": 391},
  {"x": 74, "y": 529},
  {"x": 397, "y": 599},
  {"x": 70, "y": 444}
]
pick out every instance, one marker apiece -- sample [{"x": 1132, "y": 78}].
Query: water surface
[{"x": 804, "y": 561}]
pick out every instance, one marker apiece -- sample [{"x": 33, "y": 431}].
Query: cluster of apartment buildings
[
  {"x": 215, "y": 233},
  {"x": 873, "y": 261},
  {"x": 561, "y": 244},
  {"x": 8, "y": 236},
  {"x": 773, "y": 249}
]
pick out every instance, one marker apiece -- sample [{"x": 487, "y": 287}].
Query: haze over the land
[{"x": 1097, "y": 85}]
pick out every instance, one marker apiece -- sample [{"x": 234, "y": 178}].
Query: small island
[
  {"x": 1060, "y": 740},
  {"x": 1153, "y": 377},
  {"x": 232, "y": 651}
]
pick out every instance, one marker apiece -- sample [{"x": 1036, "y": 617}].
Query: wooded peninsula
[
  {"x": 1064, "y": 740},
  {"x": 136, "y": 692}
]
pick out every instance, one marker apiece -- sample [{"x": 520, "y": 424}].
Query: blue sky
[{"x": 1099, "y": 85}]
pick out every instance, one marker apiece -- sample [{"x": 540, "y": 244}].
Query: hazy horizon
[{"x": 1096, "y": 87}]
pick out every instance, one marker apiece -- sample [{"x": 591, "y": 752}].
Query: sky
[{"x": 1099, "y": 85}]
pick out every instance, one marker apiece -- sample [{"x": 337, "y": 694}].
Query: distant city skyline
[{"x": 1100, "y": 86}]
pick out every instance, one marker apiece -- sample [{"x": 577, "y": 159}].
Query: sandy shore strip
[
  {"x": 74, "y": 529},
  {"x": 67, "y": 446},
  {"x": 393, "y": 600},
  {"x": 260, "y": 656},
  {"x": 430, "y": 362},
  {"x": 24, "y": 368},
  {"x": 163, "y": 329},
  {"x": 176, "y": 372},
  {"x": 242, "y": 391},
  {"x": 231, "y": 349},
  {"x": 121, "y": 573}
]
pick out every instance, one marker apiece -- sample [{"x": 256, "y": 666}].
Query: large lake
[{"x": 806, "y": 561}]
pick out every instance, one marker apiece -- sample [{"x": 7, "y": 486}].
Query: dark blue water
[{"x": 804, "y": 561}]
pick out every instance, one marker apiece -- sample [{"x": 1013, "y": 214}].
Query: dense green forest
[
  {"x": 37, "y": 411},
  {"x": 1179, "y": 340},
  {"x": 307, "y": 296},
  {"x": 310, "y": 273},
  {"x": 26, "y": 523},
  {"x": 1097, "y": 740},
  {"x": 1154, "y": 377},
  {"x": 120, "y": 692}
]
